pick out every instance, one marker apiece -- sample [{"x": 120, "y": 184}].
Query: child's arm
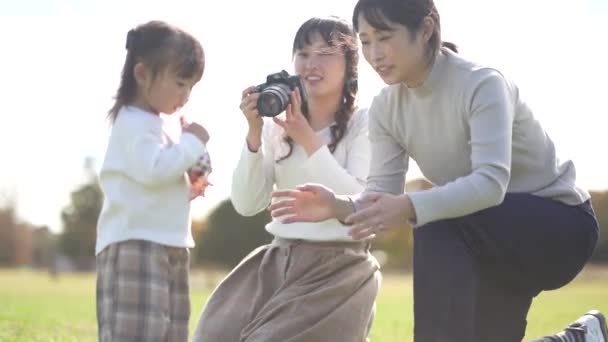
[{"x": 153, "y": 163}]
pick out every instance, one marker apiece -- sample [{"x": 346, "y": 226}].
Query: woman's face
[
  {"x": 322, "y": 67},
  {"x": 396, "y": 54}
]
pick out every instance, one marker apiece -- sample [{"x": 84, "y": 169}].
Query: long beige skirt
[{"x": 295, "y": 291}]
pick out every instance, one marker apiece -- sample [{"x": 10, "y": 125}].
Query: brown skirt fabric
[{"x": 295, "y": 291}]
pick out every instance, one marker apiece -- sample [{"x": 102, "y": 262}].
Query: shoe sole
[{"x": 600, "y": 317}]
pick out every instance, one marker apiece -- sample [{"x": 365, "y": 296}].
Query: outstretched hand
[
  {"x": 308, "y": 203},
  {"x": 380, "y": 213}
]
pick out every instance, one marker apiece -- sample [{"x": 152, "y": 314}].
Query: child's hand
[
  {"x": 198, "y": 187},
  {"x": 199, "y": 131}
]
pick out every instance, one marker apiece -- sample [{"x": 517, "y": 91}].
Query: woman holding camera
[
  {"x": 313, "y": 282},
  {"x": 505, "y": 219}
]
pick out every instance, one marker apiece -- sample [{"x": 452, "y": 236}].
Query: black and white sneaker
[
  {"x": 590, "y": 327},
  {"x": 594, "y": 324}
]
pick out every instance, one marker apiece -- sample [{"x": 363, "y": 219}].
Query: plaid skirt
[{"x": 142, "y": 292}]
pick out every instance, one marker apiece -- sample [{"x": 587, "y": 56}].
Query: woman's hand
[
  {"x": 381, "y": 212},
  {"x": 308, "y": 203},
  {"x": 297, "y": 127},
  {"x": 249, "y": 100}
]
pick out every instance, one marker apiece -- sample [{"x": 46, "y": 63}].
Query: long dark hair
[
  {"x": 336, "y": 33},
  {"x": 409, "y": 13},
  {"x": 158, "y": 45}
]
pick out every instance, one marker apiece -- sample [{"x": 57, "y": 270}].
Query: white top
[
  {"x": 473, "y": 136},
  {"x": 258, "y": 173},
  {"x": 143, "y": 179}
]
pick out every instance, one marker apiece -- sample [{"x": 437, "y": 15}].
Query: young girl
[
  {"x": 505, "y": 219},
  {"x": 313, "y": 282},
  {"x": 143, "y": 233}
]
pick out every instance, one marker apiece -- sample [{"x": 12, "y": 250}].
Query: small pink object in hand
[
  {"x": 199, "y": 173},
  {"x": 199, "y": 176}
]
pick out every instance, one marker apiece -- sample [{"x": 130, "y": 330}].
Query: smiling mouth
[{"x": 313, "y": 78}]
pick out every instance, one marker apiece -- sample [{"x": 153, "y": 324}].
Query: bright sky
[{"x": 61, "y": 61}]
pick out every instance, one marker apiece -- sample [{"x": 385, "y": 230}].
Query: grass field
[{"x": 35, "y": 307}]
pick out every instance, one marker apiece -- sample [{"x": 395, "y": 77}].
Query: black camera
[{"x": 275, "y": 94}]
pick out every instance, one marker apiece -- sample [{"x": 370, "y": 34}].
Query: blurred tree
[
  {"x": 18, "y": 239},
  {"x": 226, "y": 237},
  {"x": 8, "y": 230},
  {"x": 77, "y": 240},
  {"x": 43, "y": 249}
]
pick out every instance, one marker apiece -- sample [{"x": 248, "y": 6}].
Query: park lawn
[{"x": 36, "y": 307}]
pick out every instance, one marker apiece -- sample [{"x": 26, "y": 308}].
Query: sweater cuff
[
  {"x": 193, "y": 146},
  {"x": 422, "y": 201},
  {"x": 250, "y": 156}
]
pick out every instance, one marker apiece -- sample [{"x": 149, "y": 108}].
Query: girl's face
[
  {"x": 322, "y": 67},
  {"x": 167, "y": 92},
  {"x": 396, "y": 54}
]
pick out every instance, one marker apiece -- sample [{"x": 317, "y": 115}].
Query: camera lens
[{"x": 273, "y": 100}]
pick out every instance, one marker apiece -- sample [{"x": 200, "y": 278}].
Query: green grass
[{"x": 35, "y": 307}]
